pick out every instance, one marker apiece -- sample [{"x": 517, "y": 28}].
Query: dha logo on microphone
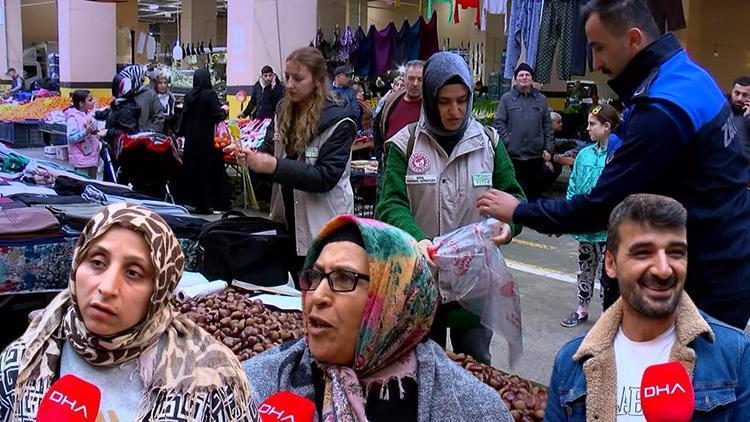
[
  {"x": 278, "y": 414},
  {"x": 63, "y": 400},
  {"x": 286, "y": 406},
  {"x": 655, "y": 391},
  {"x": 70, "y": 399}
]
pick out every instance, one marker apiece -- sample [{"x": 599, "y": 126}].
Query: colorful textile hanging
[
  {"x": 384, "y": 43},
  {"x": 466, "y": 4},
  {"x": 346, "y": 44},
  {"x": 428, "y": 10}
]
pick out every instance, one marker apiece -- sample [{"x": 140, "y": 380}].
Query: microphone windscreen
[
  {"x": 286, "y": 406},
  {"x": 667, "y": 393},
  {"x": 70, "y": 399}
]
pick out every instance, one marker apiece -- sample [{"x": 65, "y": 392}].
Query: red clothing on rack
[{"x": 465, "y": 4}]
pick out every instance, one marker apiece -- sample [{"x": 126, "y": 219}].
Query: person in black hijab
[{"x": 203, "y": 182}]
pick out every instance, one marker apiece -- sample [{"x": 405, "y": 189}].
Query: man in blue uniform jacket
[{"x": 678, "y": 141}]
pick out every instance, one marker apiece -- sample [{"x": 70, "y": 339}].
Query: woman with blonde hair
[{"x": 313, "y": 137}]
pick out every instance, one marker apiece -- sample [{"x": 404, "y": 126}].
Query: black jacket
[
  {"x": 332, "y": 157},
  {"x": 264, "y": 99},
  {"x": 121, "y": 118}
]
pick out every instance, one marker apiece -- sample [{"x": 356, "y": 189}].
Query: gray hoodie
[{"x": 524, "y": 124}]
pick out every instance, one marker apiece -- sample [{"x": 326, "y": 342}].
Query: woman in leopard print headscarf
[{"x": 115, "y": 321}]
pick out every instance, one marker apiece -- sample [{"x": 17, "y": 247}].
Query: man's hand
[
  {"x": 746, "y": 110},
  {"x": 424, "y": 247},
  {"x": 546, "y": 155},
  {"x": 502, "y": 233},
  {"x": 498, "y": 204}
]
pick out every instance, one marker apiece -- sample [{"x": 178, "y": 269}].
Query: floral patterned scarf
[
  {"x": 191, "y": 363},
  {"x": 401, "y": 303}
]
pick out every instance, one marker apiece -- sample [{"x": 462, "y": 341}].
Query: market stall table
[{"x": 21, "y": 134}]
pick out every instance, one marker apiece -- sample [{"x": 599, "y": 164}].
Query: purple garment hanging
[
  {"x": 347, "y": 41},
  {"x": 383, "y": 44}
]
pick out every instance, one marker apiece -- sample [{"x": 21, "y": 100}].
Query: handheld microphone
[
  {"x": 286, "y": 406},
  {"x": 667, "y": 393},
  {"x": 70, "y": 399}
]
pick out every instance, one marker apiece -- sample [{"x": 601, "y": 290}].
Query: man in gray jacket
[
  {"x": 523, "y": 121},
  {"x": 152, "y": 112}
]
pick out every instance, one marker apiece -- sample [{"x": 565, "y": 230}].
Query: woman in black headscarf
[{"x": 203, "y": 183}]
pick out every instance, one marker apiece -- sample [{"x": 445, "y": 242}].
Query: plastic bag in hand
[{"x": 472, "y": 271}]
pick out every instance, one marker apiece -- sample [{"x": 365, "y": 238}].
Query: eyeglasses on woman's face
[{"x": 338, "y": 280}]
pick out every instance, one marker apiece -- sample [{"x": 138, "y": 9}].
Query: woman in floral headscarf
[
  {"x": 369, "y": 301},
  {"x": 116, "y": 328}
]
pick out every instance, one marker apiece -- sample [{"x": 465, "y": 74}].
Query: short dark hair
[
  {"x": 12, "y": 69},
  {"x": 742, "y": 81},
  {"x": 78, "y": 96},
  {"x": 266, "y": 69},
  {"x": 621, "y": 15},
  {"x": 653, "y": 210}
]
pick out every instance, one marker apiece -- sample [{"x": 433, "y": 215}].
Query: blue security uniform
[{"x": 678, "y": 141}]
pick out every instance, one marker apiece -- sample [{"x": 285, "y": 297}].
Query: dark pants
[
  {"x": 610, "y": 290},
  {"x": 472, "y": 341},
  {"x": 531, "y": 176}
]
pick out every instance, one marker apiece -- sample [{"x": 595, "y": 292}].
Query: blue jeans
[{"x": 525, "y": 19}]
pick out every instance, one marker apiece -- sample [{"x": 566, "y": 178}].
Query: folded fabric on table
[
  {"x": 70, "y": 185},
  {"x": 22, "y": 222},
  {"x": 9, "y": 204},
  {"x": 44, "y": 199},
  {"x": 13, "y": 188},
  {"x": 92, "y": 194},
  {"x": 74, "y": 215}
]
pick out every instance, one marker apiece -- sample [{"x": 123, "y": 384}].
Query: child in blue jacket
[{"x": 588, "y": 165}]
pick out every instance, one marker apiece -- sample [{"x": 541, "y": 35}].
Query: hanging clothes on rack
[
  {"x": 466, "y": 4},
  {"x": 525, "y": 18},
  {"x": 558, "y": 17},
  {"x": 346, "y": 44},
  {"x": 364, "y": 52},
  {"x": 428, "y": 37},
  {"x": 335, "y": 45},
  {"x": 411, "y": 51},
  {"x": 581, "y": 51},
  {"x": 383, "y": 46},
  {"x": 322, "y": 44},
  {"x": 428, "y": 10},
  {"x": 398, "y": 55},
  {"x": 668, "y": 15},
  {"x": 494, "y": 7}
]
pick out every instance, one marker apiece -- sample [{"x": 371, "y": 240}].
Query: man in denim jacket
[{"x": 597, "y": 377}]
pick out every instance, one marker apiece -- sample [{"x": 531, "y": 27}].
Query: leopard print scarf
[{"x": 191, "y": 363}]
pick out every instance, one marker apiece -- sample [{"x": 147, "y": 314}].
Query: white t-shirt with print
[{"x": 632, "y": 358}]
